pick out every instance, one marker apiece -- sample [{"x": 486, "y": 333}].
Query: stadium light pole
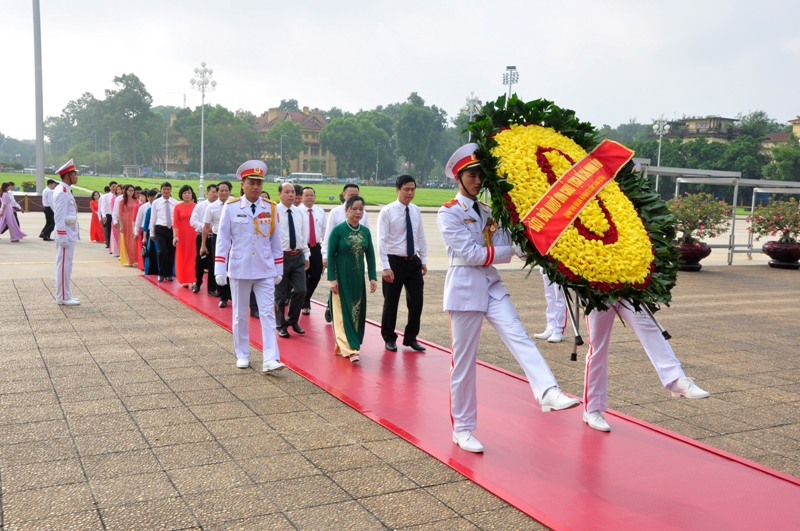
[
  {"x": 471, "y": 108},
  {"x": 202, "y": 81},
  {"x": 660, "y": 128},
  {"x": 510, "y": 76}
]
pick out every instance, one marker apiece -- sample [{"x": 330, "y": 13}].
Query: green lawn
[{"x": 326, "y": 193}]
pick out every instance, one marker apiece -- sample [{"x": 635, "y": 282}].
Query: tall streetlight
[
  {"x": 660, "y": 128},
  {"x": 202, "y": 81},
  {"x": 510, "y": 76},
  {"x": 471, "y": 108}
]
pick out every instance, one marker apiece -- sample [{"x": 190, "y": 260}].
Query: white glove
[
  {"x": 62, "y": 242},
  {"x": 518, "y": 251},
  {"x": 278, "y": 280},
  {"x": 222, "y": 280}
]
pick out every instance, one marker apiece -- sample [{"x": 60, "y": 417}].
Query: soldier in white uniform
[
  {"x": 250, "y": 233},
  {"x": 65, "y": 212},
  {"x": 473, "y": 291},
  {"x": 556, "y": 312}
]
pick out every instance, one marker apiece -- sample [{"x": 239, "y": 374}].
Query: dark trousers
[
  {"x": 49, "y": 223},
  {"x": 292, "y": 288},
  {"x": 202, "y": 263},
  {"x": 313, "y": 274},
  {"x": 107, "y": 229},
  {"x": 151, "y": 262},
  {"x": 408, "y": 274},
  {"x": 166, "y": 251}
]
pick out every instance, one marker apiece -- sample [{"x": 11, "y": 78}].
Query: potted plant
[
  {"x": 772, "y": 219},
  {"x": 697, "y": 216}
]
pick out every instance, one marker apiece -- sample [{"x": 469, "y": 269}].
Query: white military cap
[
  {"x": 463, "y": 158},
  {"x": 252, "y": 169},
  {"x": 66, "y": 168}
]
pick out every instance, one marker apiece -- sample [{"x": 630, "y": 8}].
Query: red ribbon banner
[{"x": 566, "y": 199}]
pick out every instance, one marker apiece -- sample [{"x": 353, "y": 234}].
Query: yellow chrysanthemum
[{"x": 611, "y": 246}]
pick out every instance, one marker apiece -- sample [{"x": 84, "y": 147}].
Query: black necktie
[
  {"x": 253, "y": 208},
  {"x": 477, "y": 209},
  {"x": 409, "y": 235},
  {"x": 292, "y": 236}
]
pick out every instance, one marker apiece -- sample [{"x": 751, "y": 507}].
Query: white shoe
[
  {"x": 70, "y": 302},
  {"x": 243, "y": 363},
  {"x": 466, "y": 441},
  {"x": 596, "y": 421},
  {"x": 554, "y": 399},
  {"x": 272, "y": 366},
  {"x": 555, "y": 338},
  {"x": 687, "y": 388},
  {"x": 354, "y": 358},
  {"x": 544, "y": 335}
]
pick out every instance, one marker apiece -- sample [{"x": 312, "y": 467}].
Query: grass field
[{"x": 326, "y": 193}]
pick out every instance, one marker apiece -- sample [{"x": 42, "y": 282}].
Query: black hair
[
  {"x": 403, "y": 180},
  {"x": 298, "y": 189},
  {"x": 152, "y": 192},
  {"x": 350, "y": 185},
  {"x": 163, "y": 185},
  {"x": 186, "y": 188},
  {"x": 107, "y": 189},
  {"x": 227, "y": 183},
  {"x": 352, "y": 200},
  {"x": 210, "y": 187}
]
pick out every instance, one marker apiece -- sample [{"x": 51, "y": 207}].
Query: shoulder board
[
  {"x": 64, "y": 188},
  {"x": 484, "y": 204},
  {"x": 232, "y": 200},
  {"x": 450, "y": 203}
]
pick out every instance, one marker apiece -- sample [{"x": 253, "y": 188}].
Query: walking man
[
  {"x": 104, "y": 210},
  {"x": 202, "y": 260},
  {"x": 249, "y": 228},
  {"x": 161, "y": 230},
  {"x": 402, "y": 248},
  {"x": 47, "y": 203},
  {"x": 65, "y": 214},
  {"x": 473, "y": 291},
  {"x": 295, "y": 263},
  {"x": 314, "y": 217}
]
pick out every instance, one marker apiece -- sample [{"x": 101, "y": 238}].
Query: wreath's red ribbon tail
[{"x": 566, "y": 199}]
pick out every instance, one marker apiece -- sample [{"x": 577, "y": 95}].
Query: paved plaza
[{"x": 127, "y": 412}]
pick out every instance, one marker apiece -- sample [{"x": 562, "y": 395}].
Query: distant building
[
  {"x": 711, "y": 128},
  {"x": 777, "y": 139},
  {"x": 314, "y": 158}
]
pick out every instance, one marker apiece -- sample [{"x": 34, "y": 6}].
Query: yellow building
[
  {"x": 711, "y": 128},
  {"x": 314, "y": 158}
]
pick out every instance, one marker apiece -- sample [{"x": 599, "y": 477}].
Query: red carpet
[{"x": 551, "y": 466}]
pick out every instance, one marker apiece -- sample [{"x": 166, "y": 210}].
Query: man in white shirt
[
  {"x": 209, "y": 237},
  {"x": 104, "y": 210},
  {"x": 295, "y": 263},
  {"x": 161, "y": 229},
  {"x": 47, "y": 203},
  {"x": 314, "y": 217},
  {"x": 403, "y": 252},
  {"x": 202, "y": 260}
]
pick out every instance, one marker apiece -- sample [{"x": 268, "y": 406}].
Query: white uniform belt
[{"x": 457, "y": 261}]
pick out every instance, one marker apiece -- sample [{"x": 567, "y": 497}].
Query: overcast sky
[{"x": 610, "y": 61}]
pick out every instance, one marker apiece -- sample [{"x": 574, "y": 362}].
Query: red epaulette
[{"x": 450, "y": 203}]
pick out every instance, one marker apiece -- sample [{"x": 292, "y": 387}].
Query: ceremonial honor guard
[
  {"x": 473, "y": 291},
  {"x": 248, "y": 250},
  {"x": 65, "y": 213}
]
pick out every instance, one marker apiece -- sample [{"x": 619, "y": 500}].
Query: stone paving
[{"x": 128, "y": 411}]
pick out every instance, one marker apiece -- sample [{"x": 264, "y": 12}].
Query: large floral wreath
[{"x": 620, "y": 247}]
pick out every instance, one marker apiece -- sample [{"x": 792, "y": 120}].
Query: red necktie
[{"x": 312, "y": 230}]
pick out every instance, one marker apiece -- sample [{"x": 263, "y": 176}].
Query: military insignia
[
  {"x": 263, "y": 215},
  {"x": 241, "y": 216},
  {"x": 231, "y": 200},
  {"x": 450, "y": 203},
  {"x": 469, "y": 220}
]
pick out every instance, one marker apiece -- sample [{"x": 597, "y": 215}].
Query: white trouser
[
  {"x": 599, "y": 324},
  {"x": 556, "y": 312},
  {"x": 64, "y": 271},
  {"x": 264, "y": 290},
  {"x": 465, "y": 329}
]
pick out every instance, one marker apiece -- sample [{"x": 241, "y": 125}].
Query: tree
[
  {"x": 289, "y": 105},
  {"x": 785, "y": 165},
  {"x": 417, "y": 129},
  {"x": 357, "y": 145},
  {"x": 759, "y": 124}
]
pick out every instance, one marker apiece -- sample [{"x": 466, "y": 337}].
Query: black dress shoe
[
  {"x": 283, "y": 332},
  {"x": 254, "y": 313},
  {"x": 391, "y": 346},
  {"x": 213, "y": 293},
  {"x": 413, "y": 345},
  {"x": 195, "y": 287},
  {"x": 297, "y": 328},
  {"x": 160, "y": 278},
  {"x": 47, "y": 239},
  {"x": 223, "y": 304}
]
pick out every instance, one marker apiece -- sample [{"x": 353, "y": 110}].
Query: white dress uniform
[
  {"x": 65, "y": 212},
  {"x": 253, "y": 241},
  {"x": 658, "y": 349},
  {"x": 473, "y": 291},
  {"x": 556, "y": 312}
]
